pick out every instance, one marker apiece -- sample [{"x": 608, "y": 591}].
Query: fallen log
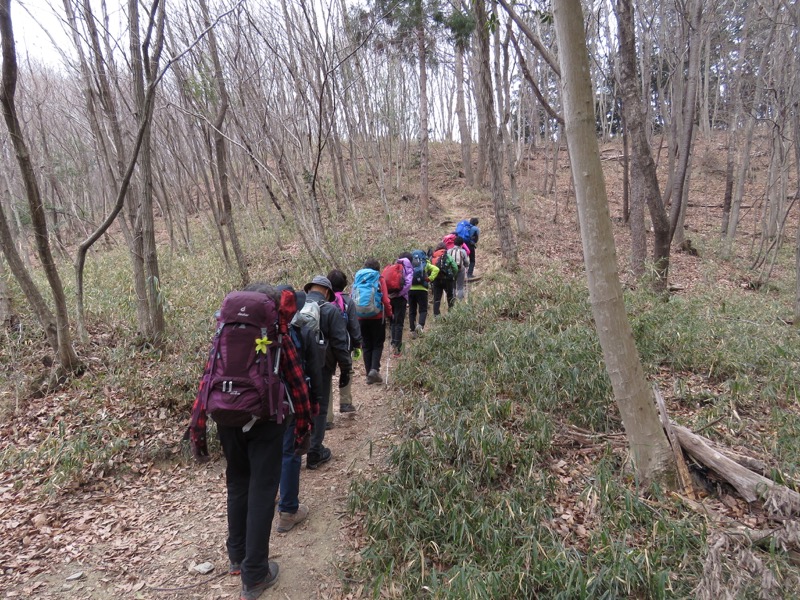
[{"x": 751, "y": 486}]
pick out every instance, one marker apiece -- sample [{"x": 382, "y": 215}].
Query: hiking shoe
[
  {"x": 347, "y": 408},
  {"x": 420, "y": 329},
  {"x": 374, "y": 377},
  {"x": 287, "y": 520},
  {"x": 315, "y": 459},
  {"x": 328, "y": 425},
  {"x": 253, "y": 592},
  {"x": 235, "y": 568}
]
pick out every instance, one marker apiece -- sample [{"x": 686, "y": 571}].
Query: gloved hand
[
  {"x": 344, "y": 379},
  {"x": 304, "y": 445},
  {"x": 357, "y": 354}
]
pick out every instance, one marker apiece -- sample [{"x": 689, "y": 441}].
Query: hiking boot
[
  {"x": 347, "y": 408},
  {"x": 253, "y": 592},
  {"x": 287, "y": 520},
  {"x": 315, "y": 459},
  {"x": 414, "y": 335},
  {"x": 235, "y": 568},
  {"x": 328, "y": 425},
  {"x": 374, "y": 377},
  {"x": 420, "y": 329}
]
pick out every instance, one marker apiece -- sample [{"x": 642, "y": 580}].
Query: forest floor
[{"x": 139, "y": 535}]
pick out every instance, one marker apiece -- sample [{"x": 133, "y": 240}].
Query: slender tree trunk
[
  {"x": 507, "y": 246},
  {"x": 67, "y": 358},
  {"x": 644, "y": 181},
  {"x": 7, "y": 315},
  {"x": 424, "y": 199},
  {"x": 651, "y": 450},
  {"x": 221, "y": 149},
  {"x": 684, "y": 140},
  {"x": 461, "y": 112}
]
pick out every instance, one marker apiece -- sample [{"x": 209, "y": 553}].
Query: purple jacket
[{"x": 409, "y": 273}]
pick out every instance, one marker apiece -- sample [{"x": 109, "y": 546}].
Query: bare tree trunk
[
  {"x": 221, "y": 149},
  {"x": 507, "y": 247},
  {"x": 684, "y": 139},
  {"x": 461, "y": 112},
  {"x": 67, "y": 358},
  {"x": 7, "y": 315},
  {"x": 424, "y": 199},
  {"x": 644, "y": 181},
  {"x": 651, "y": 450}
]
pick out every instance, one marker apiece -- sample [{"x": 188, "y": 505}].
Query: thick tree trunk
[
  {"x": 651, "y": 451},
  {"x": 67, "y": 358}
]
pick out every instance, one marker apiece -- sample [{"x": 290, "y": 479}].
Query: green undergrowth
[{"x": 470, "y": 506}]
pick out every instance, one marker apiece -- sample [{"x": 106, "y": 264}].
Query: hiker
[
  {"x": 459, "y": 255},
  {"x": 253, "y": 451},
  {"x": 470, "y": 233},
  {"x": 399, "y": 297},
  {"x": 345, "y": 304},
  {"x": 335, "y": 339},
  {"x": 445, "y": 280},
  {"x": 424, "y": 273},
  {"x": 373, "y": 309},
  {"x": 290, "y": 511}
]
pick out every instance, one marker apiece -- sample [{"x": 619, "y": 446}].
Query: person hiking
[
  {"x": 460, "y": 257},
  {"x": 470, "y": 233},
  {"x": 253, "y": 452},
  {"x": 345, "y": 303},
  {"x": 424, "y": 273},
  {"x": 290, "y": 511},
  {"x": 445, "y": 281},
  {"x": 399, "y": 299},
  {"x": 335, "y": 339},
  {"x": 373, "y": 309}
]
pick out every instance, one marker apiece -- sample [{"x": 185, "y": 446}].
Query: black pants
[
  {"x": 440, "y": 287},
  {"x": 373, "y": 332},
  {"x": 252, "y": 477},
  {"x": 417, "y": 300},
  {"x": 471, "y": 269},
  {"x": 398, "y": 320},
  {"x": 318, "y": 433}
]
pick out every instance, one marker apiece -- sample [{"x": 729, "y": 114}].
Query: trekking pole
[{"x": 388, "y": 361}]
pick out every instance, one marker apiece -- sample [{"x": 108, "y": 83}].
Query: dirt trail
[{"x": 139, "y": 538}]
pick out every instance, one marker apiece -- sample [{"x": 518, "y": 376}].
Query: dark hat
[{"x": 320, "y": 280}]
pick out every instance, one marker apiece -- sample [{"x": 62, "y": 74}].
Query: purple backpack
[{"x": 242, "y": 380}]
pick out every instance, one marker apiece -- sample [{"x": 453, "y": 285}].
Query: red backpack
[{"x": 395, "y": 277}]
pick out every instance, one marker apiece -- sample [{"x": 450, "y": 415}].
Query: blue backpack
[
  {"x": 366, "y": 293},
  {"x": 464, "y": 230},
  {"x": 419, "y": 261}
]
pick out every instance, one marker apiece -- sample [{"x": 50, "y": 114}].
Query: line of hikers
[{"x": 268, "y": 381}]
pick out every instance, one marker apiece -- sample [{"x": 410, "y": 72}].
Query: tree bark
[
  {"x": 67, "y": 358},
  {"x": 651, "y": 451},
  {"x": 461, "y": 112},
  {"x": 644, "y": 181},
  {"x": 424, "y": 196},
  {"x": 506, "y": 235}
]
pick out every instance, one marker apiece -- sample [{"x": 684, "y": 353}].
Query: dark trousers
[
  {"x": 290, "y": 472},
  {"x": 417, "y": 300},
  {"x": 443, "y": 287},
  {"x": 252, "y": 477},
  {"x": 373, "y": 332},
  {"x": 318, "y": 434},
  {"x": 471, "y": 269},
  {"x": 399, "y": 319}
]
